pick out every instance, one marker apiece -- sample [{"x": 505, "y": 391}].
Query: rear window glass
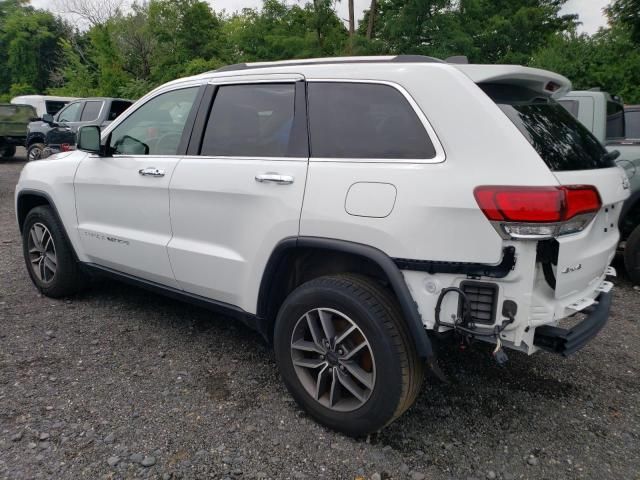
[
  {"x": 117, "y": 107},
  {"x": 362, "y": 120},
  {"x": 54, "y": 106},
  {"x": 615, "y": 120},
  {"x": 562, "y": 142},
  {"x": 632, "y": 120}
]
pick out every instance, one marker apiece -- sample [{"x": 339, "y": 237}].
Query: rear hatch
[{"x": 576, "y": 158}]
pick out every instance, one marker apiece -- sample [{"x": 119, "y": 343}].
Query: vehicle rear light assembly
[{"x": 538, "y": 212}]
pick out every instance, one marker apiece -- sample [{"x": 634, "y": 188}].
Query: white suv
[{"x": 348, "y": 209}]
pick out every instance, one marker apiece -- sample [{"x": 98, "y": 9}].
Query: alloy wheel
[
  {"x": 333, "y": 359},
  {"x": 42, "y": 253}
]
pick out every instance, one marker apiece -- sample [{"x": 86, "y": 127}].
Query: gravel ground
[{"x": 120, "y": 383}]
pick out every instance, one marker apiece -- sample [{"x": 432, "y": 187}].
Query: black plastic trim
[
  {"x": 566, "y": 342},
  {"x": 233, "y": 311},
  {"x": 494, "y": 300},
  {"x": 407, "y": 304},
  {"x": 472, "y": 269},
  {"x": 191, "y": 118},
  {"x": 628, "y": 205},
  {"x": 200, "y": 122},
  {"x": 47, "y": 197}
]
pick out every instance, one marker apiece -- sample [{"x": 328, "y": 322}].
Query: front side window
[
  {"x": 71, "y": 113},
  {"x": 156, "y": 127},
  {"x": 91, "y": 111},
  {"x": 362, "y": 120},
  {"x": 251, "y": 120},
  {"x": 54, "y": 106}
]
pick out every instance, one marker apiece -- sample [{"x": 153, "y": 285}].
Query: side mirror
[
  {"x": 47, "y": 117},
  {"x": 89, "y": 139}
]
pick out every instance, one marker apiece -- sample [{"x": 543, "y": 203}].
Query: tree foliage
[{"x": 126, "y": 52}]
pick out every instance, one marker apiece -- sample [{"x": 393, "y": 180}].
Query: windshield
[{"x": 562, "y": 142}]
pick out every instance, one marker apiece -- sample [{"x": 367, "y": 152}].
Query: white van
[{"x": 43, "y": 103}]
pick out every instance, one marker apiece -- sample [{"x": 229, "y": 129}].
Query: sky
[{"x": 589, "y": 11}]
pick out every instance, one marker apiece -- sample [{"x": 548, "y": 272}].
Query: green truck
[{"x": 13, "y": 127}]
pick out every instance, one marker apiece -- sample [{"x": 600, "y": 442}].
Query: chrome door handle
[
  {"x": 275, "y": 178},
  {"x": 151, "y": 172}
]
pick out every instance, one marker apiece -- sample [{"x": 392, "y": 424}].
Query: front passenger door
[{"x": 122, "y": 201}]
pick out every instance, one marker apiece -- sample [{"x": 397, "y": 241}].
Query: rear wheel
[
  {"x": 34, "y": 151},
  {"x": 632, "y": 256},
  {"x": 48, "y": 255},
  {"x": 344, "y": 353},
  {"x": 9, "y": 151}
]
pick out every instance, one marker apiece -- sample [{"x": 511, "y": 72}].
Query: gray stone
[
  {"x": 43, "y": 436},
  {"x": 113, "y": 461},
  {"x": 491, "y": 475},
  {"x": 16, "y": 437},
  {"x": 533, "y": 461},
  {"x": 136, "y": 457},
  {"x": 376, "y": 476},
  {"x": 148, "y": 461},
  {"x": 110, "y": 438},
  {"x": 417, "y": 476}
]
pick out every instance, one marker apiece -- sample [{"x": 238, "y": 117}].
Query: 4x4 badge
[{"x": 574, "y": 268}]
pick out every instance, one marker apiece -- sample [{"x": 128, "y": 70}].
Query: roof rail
[{"x": 329, "y": 61}]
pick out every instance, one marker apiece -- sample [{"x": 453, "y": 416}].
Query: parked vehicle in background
[
  {"x": 632, "y": 122},
  {"x": 56, "y": 133},
  {"x": 43, "y": 103},
  {"x": 618, "y": 128},
  {"x": 13, "y": 127},
  {"x": 197, "y": 192}
]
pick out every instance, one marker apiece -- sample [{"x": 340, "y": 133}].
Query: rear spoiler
[{"x": 543, "y": 81}]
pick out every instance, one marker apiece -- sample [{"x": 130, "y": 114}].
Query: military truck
[{"x": 13, "y": 127}]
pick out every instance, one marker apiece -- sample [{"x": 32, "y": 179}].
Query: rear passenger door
[{"x": 239, "y": 190}]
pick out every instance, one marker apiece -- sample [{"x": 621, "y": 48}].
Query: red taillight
[{"x": 538, "y": 205}]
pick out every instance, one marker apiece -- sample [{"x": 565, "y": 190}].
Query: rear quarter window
[
  {"x": 632, "y": 124},
  {"x": 615, "y": 120},
  {"x": 560, "y": 140},
  {"x": 364, "y": 121}
]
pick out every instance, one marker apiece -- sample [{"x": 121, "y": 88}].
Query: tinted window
[
  {"x": 250, "y": 120},
  {"x": 117, "y": 107},
  {"x": 54, "y": 106},
  {"x": 156, "y": 127},
  {"x": 360, "y": 120},
  {"x": 560, "y": 140},
  {"x": 70, "y": 113},
  {"x": 572, "y": 106},
  {"x": 91, "y": 111},
  {"x": 615, "y": 120},
  {"x": 632, "y": 120}
]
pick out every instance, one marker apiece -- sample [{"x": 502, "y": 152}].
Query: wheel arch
[{"x": 296, "y": 260}]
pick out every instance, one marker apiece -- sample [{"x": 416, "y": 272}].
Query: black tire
[
  {"x": 34, "y": 152},
  {"x": 398, "y": 370},
  {"x": 68, "y": 278},
  {"x": 632, "y": 256},
  {"x": 9, "y": 151}
]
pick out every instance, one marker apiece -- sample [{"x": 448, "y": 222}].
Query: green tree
[{"x": 626, "y": 13}]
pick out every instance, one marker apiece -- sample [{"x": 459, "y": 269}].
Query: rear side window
[
  {"x": 572, "y": 106},
  {"x": 91, "y": 111},
  {"x": 54, "y": 106},
  {"x": 558, "y": 137},
  {"x": 615, "y": 120},
  {"x": 250, "y": 120},
  {"x": 117, "y": 107},
  {"x": 363, "y": 120},
  {"x": 632, "y": 120}
]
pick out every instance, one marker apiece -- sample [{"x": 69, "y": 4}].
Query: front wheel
[
  {"x": 345, "y": 355},
  {"x": 34, "y": 152},
  {"x": 632, "y": 256},
  {"x": 48, "y": 254}
]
